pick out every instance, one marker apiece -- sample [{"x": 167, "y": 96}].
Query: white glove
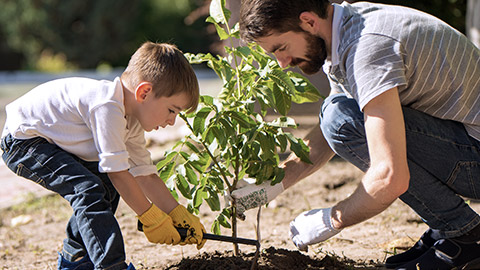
[
  {"x": 311, "y": 227},
  {"x": 252, "y": 195}
]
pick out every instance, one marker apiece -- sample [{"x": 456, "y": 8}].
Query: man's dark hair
[{"x": 258, "y": 18}]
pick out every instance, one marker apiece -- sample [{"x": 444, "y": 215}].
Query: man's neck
[{"x": 325, "y": 30}]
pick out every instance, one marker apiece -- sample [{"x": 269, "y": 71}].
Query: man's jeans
[
  {"x": 92, "y": 227},
  {"x": 444, "y": 162}
]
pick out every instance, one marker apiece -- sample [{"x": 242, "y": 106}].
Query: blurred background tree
[
  {"x": 88, "y": 33},
  {"x": 57, "y": 35}
]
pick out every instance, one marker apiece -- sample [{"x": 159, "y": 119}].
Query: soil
[{"x": 31, "y": 233}]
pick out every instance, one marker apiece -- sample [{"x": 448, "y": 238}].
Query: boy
[{"x": 84, "y": 139}]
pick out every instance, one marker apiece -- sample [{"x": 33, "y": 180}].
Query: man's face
[{"x": 301, "y": 49}]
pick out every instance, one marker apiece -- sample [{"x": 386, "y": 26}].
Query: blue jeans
[
  {"x": 92, "y": 228},
  {"x": 444, "y": 162}
]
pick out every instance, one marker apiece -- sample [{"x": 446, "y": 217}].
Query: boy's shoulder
[
  {"x": 78, "y": 90},
  {"x": 78, "y": 81}
]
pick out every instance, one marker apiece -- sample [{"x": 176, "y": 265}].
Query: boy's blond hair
[{"x": 166, "y": 68}]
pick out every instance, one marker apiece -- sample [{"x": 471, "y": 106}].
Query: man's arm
[
  {"x": 320, "y": 154},
  {"x": 388, "y": 175},
  {"x": 252, "y": 196}
]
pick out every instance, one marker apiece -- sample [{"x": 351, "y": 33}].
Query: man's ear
[
  {"x": 142, "y": 90},
  {"x": 309, "y": 21}
]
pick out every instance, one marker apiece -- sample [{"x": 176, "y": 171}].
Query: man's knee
[{"x": 341, "y": 120}]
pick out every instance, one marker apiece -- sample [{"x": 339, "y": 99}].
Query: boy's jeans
[
  {"x": 444, "y": 162},
  {"x": 93, "y": 226}
]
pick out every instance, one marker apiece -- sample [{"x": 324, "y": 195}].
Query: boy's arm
[
  {"x": 158, "y": 226},
  {"x": 156, "y": 190},
  {"x": 130, "y": 191}
]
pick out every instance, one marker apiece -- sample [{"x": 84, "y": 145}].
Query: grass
[{"x": 51, "y": 205}]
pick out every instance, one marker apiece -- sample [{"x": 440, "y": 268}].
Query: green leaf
[
  {"x": 282, "y": 141},
  {"x": 282, "y": 101},
  {"x": 279, "y": 175},
  {"x": 213, "y": 200},
  {"x": 192, "y": 147},
  {"x": 283, "y": 122},
  {"x": 198, "y": 197},
  {"x": 166, "y": 160},
  {"x": 217, "y": 182},
  {"x": 305, "y": 91},
  {"x": 207, "y": 100},
  {"x": 199, "y": 120},
  {"x": 183, "y": 186},
  {"x": 167, "y": 171},
  {"x": 242, "y": 119},
  {"x": 282, "y": 80},
  {"x": 220, "y": 136},
  {"x": 191, "y": 175},
  {"x": 222, "y": 34},
  {"x": 244, "y": 51},
  {"x": 227, "y": 127},
  {"x": 216, "y": 227},
  {"x": 267, "y": 144},
  {"x": 222, "y": 219},
  {"x": 299, "y": 148},
  {"x": 218, "y": 11}
]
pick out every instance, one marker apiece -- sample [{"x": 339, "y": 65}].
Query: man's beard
[{"x": 315, "y": 56}]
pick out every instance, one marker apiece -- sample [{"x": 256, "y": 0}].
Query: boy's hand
[
  {"x": 195, "y": 229},
  {"x": 158, "y": 227}
]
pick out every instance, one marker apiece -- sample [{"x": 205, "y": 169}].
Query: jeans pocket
[
  {"x": 464, "y": 179},
  {"x": 23, "y": 171}
]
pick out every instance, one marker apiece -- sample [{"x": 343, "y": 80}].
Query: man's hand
[
  {"x": 195, "y": 229},
  {"x": 311, "y": 227},
  {"x": 252, "y": 195},
  {"x": 158, "y": 227}
]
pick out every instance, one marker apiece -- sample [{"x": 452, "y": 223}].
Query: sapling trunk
[
  {"x": 257, "y": 251},
  {"x": 234, "y": 229}
]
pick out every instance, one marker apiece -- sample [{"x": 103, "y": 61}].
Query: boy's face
[{"x": 155, "y": 112}]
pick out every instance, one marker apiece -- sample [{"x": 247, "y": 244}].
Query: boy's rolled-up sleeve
[{"x": 109, "y": 137}]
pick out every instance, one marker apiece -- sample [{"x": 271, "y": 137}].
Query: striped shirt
[{"x": 435, "y": 67}]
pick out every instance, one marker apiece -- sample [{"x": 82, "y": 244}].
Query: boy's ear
[{"x": 142, "y": 90}]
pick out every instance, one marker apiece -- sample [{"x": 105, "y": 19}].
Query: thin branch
[{"x": 225, "y": 179}]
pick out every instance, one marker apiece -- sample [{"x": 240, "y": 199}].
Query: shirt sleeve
[
  {"x": 108, "y": 126},
  {"x": 374, "y": 64}
]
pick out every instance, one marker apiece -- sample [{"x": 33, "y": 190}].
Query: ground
[
  {"x": 31, "y": 233},
  {"x": 33, "y": 245}
]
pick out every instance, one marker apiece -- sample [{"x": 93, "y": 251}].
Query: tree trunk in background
[{"x": 473, "y": 21}]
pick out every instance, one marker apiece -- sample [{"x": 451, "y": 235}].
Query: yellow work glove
[
  {"x": 183, "y": 219},
  {"x": 158, "y": 227}
]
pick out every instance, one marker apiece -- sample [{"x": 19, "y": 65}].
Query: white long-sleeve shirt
[{"x": 84, "y": 117}]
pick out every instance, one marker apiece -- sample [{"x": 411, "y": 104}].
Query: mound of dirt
[{"x": 271, "y": 258}]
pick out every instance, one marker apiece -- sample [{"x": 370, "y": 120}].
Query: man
[{"x": 404, "y": 108}]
